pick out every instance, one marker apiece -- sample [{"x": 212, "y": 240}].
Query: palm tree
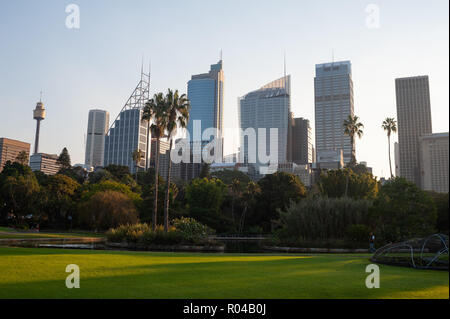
[
  {"x": 251, "y": 191},
  {"x": 154, "y": 110},
  {"x": 353, "y": 127},
  {"x": 137, "y": 157},
  {"x": 177, "y": 115},
  {"x": 390, "y": 126},
  {"x": 235, "y": 189}
]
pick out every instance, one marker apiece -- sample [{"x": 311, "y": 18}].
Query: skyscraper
[
  {"x": 205, "y": 93},
  {"x": 128, "y": 132},
  {"x": 333, "y": 87},
  {"x": 413, "y": 121},
  {"x": 9, "y": 149},
  {"x": 98, "y": 125},
  {"x": 266, "y": 108},
  {"x": 434, "y": 162},
  {"x": 302, "y": 147}
]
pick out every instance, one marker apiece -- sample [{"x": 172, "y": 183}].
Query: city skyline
[{"x": 75, "y": 79}]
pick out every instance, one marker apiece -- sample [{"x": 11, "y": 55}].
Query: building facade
[
  {"x": 205, "y": 93},
  {"x": 397, "y": 159},
  {"x": 46, "y": 163},
  {"x": 333, "y": 88},
  {"x": 128, "y": 132},
  {"x": 413, "y": 121},
  {"x": 434, "y": 162},
  {"x": 98, "y": 125},
  {"x": 9, "y": 149},
  {"x": 301, "y": 141},
  {"x": 330, "y": 159},
  {"x": 267, "y": 108}
]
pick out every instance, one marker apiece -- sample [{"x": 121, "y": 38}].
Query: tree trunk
[
  {"x": 148, "y": 145},
  {"x": 389, "y": 148},
  {"x": 166, "y": 203},
  {"x": 155, "y": 208}
]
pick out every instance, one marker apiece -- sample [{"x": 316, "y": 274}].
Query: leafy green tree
[
  {"x": 22, "y": 158},
  {"x": 403, "y": 211},
  {"x": 277, "y": 191},
  {"x": 155, "y": 111},
  {"x": 108, "y": 209},
  {"x": 441, "y": 202},
  {"x": 64, "y": 159},
  {"x": 60, "y": 198},
  {"x": 228, "y": 176},
  {"x": 252, "y": 191},
  {"x": 352, "y": 128},
  {"x": 390, "y": 126},
  {"x": 204, "y": 200},
  {"x": 345, "y": 182},
  {"x": 19, "y": 191},
  {"x": 101, "y": 175},
  {"x": 177, "y": 115},
  {"x": 77, "y": 173},
  {"x": 314, "y": 219}
]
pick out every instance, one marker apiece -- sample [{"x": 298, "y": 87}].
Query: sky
[{"x": 98, "y": 65}]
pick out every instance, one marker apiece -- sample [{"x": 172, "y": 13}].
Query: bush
[
  {"x": 359, "y": 233},
  {"x": 190, "y": 229},
  {"x": 185, "y": 230},
  {"x": 316, "y": 219}
]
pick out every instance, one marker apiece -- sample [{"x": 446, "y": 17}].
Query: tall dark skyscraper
[
  {"x": 414, "y": 121},
  {"x": 333, "y": 87},
  {"x": 302, "y": 147}
]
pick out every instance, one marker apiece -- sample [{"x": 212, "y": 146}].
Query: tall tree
[
  {"x": 390, "y": 126},
  {"x": 22, "y": 158},
  {"x": 137, "y": 157},
  {"x": 64, "y": 159},
  {"x": 177, "y": 116},
  {"x": 252, "y": 190},
  {"x": 155, "y": 110},
  {"x": 353, "y": 127}
]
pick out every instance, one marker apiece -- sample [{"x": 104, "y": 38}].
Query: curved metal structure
[{"x": 431, "y": 252}]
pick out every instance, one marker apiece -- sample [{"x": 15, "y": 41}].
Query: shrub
[
  {"x": 322, "y": 218},
  {"x": 359, "y": 233},
  {"x": 184, "y": 230},
  {"x": 190, "y": 229}
]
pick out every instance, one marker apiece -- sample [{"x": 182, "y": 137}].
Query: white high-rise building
[
  {"x": 333, "y": 87},
  {"x": 98, "y": 125},
  {"x": 266, "y": 108},
  {"x": 434, "y": 162}
]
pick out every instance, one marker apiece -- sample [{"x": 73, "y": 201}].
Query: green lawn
[
  {"x": 10, "y": 233},
  {"x": 40, "y": 273}
]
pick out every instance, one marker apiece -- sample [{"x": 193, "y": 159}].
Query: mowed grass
[
  {"x": 40, "y": 273},
  {"x": 9, "y": 233}
]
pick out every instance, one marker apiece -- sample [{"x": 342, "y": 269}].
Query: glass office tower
[
  {"x": 205, "y": 92},
  {"x": 333, "y": 88},
  {"x": 268, "y": 107},
  {"x": 128, "y": 135}
]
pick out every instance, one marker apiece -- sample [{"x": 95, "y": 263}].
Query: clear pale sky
[{"x": 98, "y": 65}]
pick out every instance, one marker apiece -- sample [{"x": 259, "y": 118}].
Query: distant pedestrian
[{"x": 372, "y": 243}]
